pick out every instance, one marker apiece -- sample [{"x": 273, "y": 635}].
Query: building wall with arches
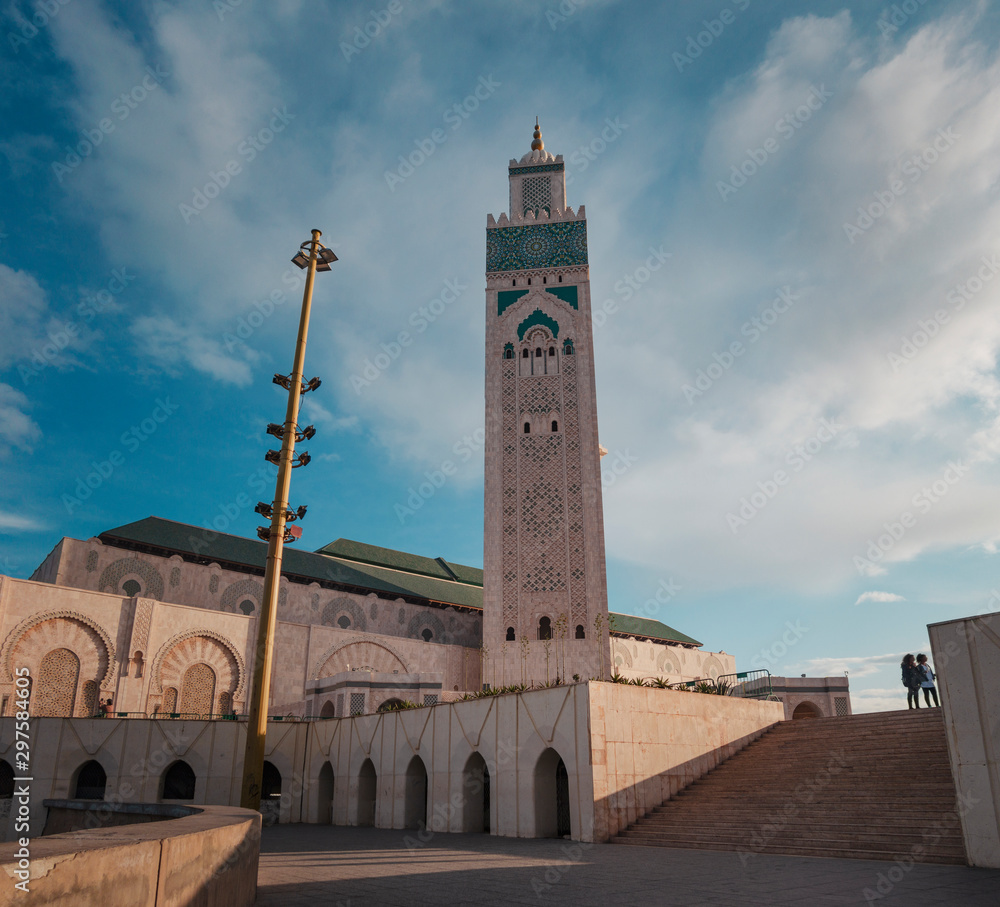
[
  {"x": 95, "y": 566},
  {"x": 596, "y": 755},
  {"x": 83, "y": 647}
]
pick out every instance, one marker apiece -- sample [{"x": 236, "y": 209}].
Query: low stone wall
[
  {"x": 83, "y": 815},
  {"x": 208, "y": 857},
  {"x": 646, "y": 744},
  {"x": 967, "y": 661}
]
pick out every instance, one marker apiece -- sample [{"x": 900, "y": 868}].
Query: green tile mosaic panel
[
  {"x": 566, "y": 294},
  {"x": 506, "y": 298},
  {"x": 540, "y": 318},
  {"x": 536, "y": 246},
  {"x": 536, "y": 168}
]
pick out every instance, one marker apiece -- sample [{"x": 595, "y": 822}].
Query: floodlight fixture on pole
[{"x": 313, "y": 256}]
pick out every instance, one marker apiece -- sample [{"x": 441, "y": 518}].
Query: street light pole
[{"x": 280, "y": 513}]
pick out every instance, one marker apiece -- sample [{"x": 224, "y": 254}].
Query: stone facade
[
  {"x": 545, "y": 587},
  {"x": 967, "y": 661},
  {"x": 813, "y": 697},
  {"x": 582, "y": 760}
]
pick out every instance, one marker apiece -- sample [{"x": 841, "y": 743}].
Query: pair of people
[{"x": 917, "y": 676}]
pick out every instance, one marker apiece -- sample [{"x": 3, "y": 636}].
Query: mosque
[{"x": 160, "y": 617}]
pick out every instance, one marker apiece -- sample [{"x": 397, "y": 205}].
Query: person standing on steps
[
  {"x": 912, "y": 679},
  {"x": 927, "y": 680}
]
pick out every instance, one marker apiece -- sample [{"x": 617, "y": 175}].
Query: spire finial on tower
[{"x": 537, "y": 144}]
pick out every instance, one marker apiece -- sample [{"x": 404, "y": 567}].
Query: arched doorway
[
  {"x": 367, "y": 790},
  {"x": 415, "y": 807},
  {"x": 806, "y": 710},
  {"x": 6, "y": 788},
  {"x": 324, "y": 813},
  {"x": 178, "y": 782},
  {"x": 552, "y": 806},
  {"x": 270, "y": 794},
  {"x": 91, "y": 781},
  {"x": 328, "y": 710},
  {"x": 476, "y": 796}
]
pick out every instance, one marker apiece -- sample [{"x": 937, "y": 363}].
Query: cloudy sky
[{"x": 801, "y": 401}]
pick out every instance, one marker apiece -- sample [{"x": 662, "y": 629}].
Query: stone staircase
[{"x": 874, "y": 787}]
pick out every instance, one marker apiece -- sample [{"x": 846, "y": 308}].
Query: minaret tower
[{"x": 545, "y": 600}]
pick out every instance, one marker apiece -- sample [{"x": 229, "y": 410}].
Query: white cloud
[
  {"x": 827, "y": 356},
  {"x": 22, "y": 315},
  {"x": 17, "y": 430},
  {"x": 12, "y": 523},
  {"x": 856, "y": 666},
  {"x": 878, "y": 700},
  {"x": 175, "y": 346},
  {"x": 879, "y": 597}
]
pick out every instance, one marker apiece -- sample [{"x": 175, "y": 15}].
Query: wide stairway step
[{"x": 874, "y": 787}]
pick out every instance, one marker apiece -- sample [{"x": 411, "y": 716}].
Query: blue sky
[{"x": 801, "y": 401}]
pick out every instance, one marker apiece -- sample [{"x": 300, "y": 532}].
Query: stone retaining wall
[{"x": 208, "y": 857}]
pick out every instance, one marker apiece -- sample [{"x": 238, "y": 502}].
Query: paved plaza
[{"x": 367, "y": 867}]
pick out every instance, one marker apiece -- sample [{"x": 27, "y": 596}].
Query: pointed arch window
[
  {"x": 510, "y": 634},
  {"x": 545, "y": 628},
  {"x": 580, "y": 633}
]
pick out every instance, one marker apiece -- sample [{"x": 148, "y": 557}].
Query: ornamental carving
[
  {"x": 103, "y": 670},
  {"x": 156, "y": 683}
]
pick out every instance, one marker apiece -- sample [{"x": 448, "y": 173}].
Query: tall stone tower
[{"x": 545, "y": 598}]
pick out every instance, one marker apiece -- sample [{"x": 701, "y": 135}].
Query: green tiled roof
[
  {"x": 205, "y": 545},
  {"x": 627, "y": 625},
  {"x": 347, "y": 563},
  {"x": 401, "y": 560}
]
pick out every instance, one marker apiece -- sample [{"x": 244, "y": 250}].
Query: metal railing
[
  {"x": 213, "y": 716},
  {"x": 748, "y": 684}
]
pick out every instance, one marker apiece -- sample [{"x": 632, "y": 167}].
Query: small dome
[{"x": 538, "y": 156}]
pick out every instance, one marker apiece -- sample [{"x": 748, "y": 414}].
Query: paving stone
[{"x": 365, "y": 867}]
